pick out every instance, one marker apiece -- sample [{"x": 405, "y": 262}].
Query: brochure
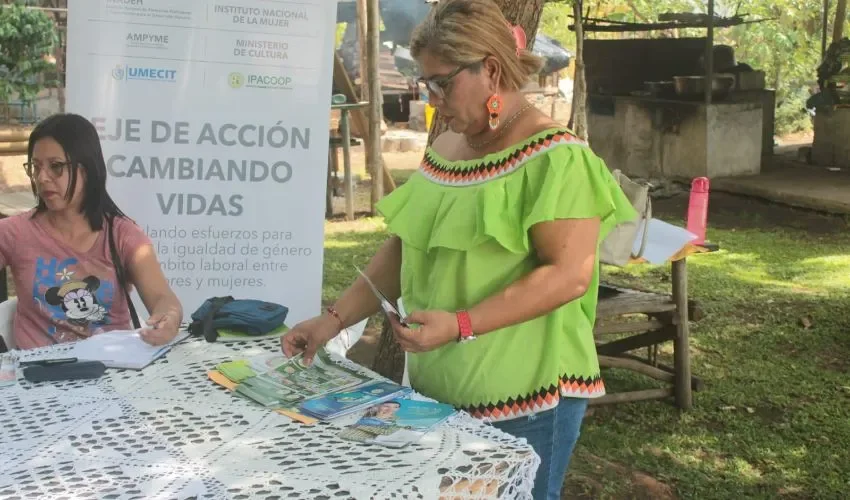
[
  {"x": 342, "y": 403},
  {"x": 397, "y": 422},
  {"x": 389, "y": 308},
  {"x": 286, "y": 384}
]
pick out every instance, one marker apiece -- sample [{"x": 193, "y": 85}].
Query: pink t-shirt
[{"x": 65, "y": 295}]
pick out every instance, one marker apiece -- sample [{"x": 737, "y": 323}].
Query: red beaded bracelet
[{"x": 336, "y": 315}]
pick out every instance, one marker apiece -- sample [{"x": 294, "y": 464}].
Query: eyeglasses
[
  {"x": 439, "y": 85},
  {"x": 54, "y": 169}
]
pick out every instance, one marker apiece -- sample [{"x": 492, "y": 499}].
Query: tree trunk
[
  {"x": 840, "y": 21},
  {"x": 389, "y": 361},
  {"x": 578, "y": 121}
]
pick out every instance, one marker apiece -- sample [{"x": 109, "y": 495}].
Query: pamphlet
[
  {"x": 342, "y": 403},
  {"x": 293, "y": 382},
  {"x": 397, "y": 422},
  {"x": 324, "y": 390},
  {"x": 389, "y": 308}
]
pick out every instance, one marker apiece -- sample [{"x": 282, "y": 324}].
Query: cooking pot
[
  {"x": 660, "y": 89},
  {"x": 693, "y": 87}
]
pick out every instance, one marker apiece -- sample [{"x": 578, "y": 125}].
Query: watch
[{"x": 464, "y": 324}]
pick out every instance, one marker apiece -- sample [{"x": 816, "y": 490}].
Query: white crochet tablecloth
[{"x": 169, "y": 432}]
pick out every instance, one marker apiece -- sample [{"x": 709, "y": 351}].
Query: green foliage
[
  {"x": 27, "y": 38},
  {"x": 787, "y": 48},
  {"x": 555, "y": 22}
]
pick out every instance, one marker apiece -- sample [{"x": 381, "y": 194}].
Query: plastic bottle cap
[{"x": 700, "y": 185}]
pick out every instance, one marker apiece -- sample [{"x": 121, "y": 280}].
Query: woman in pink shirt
[{"x": 60, "y": 253}]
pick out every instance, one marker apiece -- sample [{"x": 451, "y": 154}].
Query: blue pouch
[{"x": 248, "y": 316}]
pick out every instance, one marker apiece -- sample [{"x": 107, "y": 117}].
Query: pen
[{"x": 48, "y": 362}]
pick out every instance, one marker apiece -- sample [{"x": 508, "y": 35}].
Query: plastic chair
[{"x": 7, "y": 321}]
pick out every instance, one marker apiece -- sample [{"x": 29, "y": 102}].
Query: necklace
[{"x": 477, "y": 146}]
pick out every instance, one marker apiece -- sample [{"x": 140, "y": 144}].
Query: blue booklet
[
  {"x": 357, "y": 398},
  {"x": 397, "y": 422}
]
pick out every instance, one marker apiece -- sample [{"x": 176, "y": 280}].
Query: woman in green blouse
[{"x": 494, "y": 246}]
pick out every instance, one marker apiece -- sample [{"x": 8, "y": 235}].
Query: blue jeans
[{"x": 553, "y": 435}]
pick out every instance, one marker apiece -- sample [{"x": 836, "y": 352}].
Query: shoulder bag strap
[{"x": 120, "y": 274}]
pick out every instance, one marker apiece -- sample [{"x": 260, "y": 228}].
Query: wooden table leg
[{"x": 681, "y": 345}]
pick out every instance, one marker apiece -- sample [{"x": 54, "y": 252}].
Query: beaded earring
[{"x": 494, "y": 108}]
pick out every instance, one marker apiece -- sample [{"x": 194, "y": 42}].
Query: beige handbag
[{"x": 617, "y": 248}]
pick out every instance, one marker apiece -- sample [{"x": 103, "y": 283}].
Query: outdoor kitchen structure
[
  {"x": 677, "y": 105},
  {"x": 649, "y": 116}
]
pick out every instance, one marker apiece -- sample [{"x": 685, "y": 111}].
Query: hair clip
[{"x": 519, "y": 38}]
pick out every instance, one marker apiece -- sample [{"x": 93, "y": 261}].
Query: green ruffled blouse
[{"x": 464, "y": 227}]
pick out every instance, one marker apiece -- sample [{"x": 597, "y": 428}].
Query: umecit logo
[
  {"x": 118, "y": 72},
  {"x": 150, "y": 74},
  {"x": 257, "y": 81}
]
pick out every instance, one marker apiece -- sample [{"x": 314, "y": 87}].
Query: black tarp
[{"x": 400, "y": 17}]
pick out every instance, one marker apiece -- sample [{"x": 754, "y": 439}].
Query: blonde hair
[{"x": 466, "y": 31}]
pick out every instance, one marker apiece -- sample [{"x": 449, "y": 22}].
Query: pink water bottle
[{"x": 698, "y": 209}]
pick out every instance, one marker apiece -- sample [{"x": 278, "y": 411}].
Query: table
[
  {"x": 667, "y": 319},
  {"x": 169, "y": 432}
]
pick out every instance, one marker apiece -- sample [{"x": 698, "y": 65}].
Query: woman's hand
[
  {"x": 436, "y": 329},
  {"x": 161, "y": 329},
  {"x": 308, "y": 336}
]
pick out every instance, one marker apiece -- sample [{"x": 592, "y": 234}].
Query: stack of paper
[
  {"x": 663, "y": 241},
  {"x": 398, "y": 422},
  {"x": 122, "y": 349},
  {"x": 342, "y": 403},
  {"x": 324, "y": 390}
]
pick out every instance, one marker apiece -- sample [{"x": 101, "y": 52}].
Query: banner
[{"x": 213, "y": 116}]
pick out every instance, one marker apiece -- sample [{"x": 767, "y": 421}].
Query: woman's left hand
[
  {"x": 436, "y": 328},
  {"x": 161, "y": 329}
]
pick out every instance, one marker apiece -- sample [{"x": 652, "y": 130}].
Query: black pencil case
[{"x": 81, "y": 370}]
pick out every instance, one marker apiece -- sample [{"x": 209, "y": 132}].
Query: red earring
[{"x": 494, "y": 107}]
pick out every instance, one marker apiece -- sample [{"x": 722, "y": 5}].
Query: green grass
[{"x": 774, "y": 418}]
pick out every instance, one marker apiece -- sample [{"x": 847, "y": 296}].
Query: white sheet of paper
[
  {"x": 122, "y": 349},
  {"x": 662, "y": 242}
]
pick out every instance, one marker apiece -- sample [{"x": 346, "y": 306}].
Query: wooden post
[
  {"x": 362, "y": 22},
  {"x": 840, "y": 21},
  {"x": 358, "y": 117},
  {"x": 579, "y": 111},
  {"x": 709, "y": 53},
  {"x": 373, "y": 38},
  {"x": 681, "y": 345},
  {"x": 825, "y": 29},
  {"x": 346, "y": 165},
  {"x": 557, "y": 94}
]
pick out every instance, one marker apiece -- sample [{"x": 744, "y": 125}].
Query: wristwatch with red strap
[{"x": 464, "y": 324}]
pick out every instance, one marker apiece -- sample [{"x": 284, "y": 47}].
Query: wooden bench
[{"x": 662, "y": 318}]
